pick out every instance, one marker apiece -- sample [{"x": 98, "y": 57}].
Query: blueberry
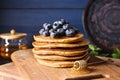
[
  {"x": 66, "y": 26},
  {"x": 76, "y": 30},
  {"x": 70, "y": 32},
  {"x": 41, "y": 31},
  {"x": 60, "y": 23},
  {"x": 61, "y": 31},
  {"x": 46, "y": 33},
  {"x": 51, "y": 30},
  {"x": 57, "y": 25},
  {"x": 63, "y": 21},
  {"x": 54, "y": 34},
  {"x": 47, "y": 26},
  {"x": 55, "y": 22}
]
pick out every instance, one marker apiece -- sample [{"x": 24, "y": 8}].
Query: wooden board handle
[{"x": 88, "y": 77}]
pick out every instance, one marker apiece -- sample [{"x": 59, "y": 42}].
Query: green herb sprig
[
  {"x": 116, "y": 53},
  {"x": 94, "y": 50}
]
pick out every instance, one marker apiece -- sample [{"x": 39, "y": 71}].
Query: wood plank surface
[
  {"x": 31, "y": 70},
  {"x": 42, "y": 3},
  {"x": 6, "y": 78},
  {"x": 35, "y": 17},
  {"x": 9, "y": 72}
]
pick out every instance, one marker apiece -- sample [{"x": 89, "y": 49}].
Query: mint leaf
[
  {"x": 116, "y": 50},
  {"x": 116, "y": 55},
  {"x": 91, "y": 47},
  {"x": 97, "y": 49},
  {"x": 94, "y": 53}
]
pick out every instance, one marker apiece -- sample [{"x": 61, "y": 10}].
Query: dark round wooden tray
[{"x": 101, "y": 21}]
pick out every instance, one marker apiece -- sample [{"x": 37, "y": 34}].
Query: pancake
[
  {"x": 60, "y": 64},
  {"x": 64, "y": 39},
  {"x": 37, "y": 44},
  {"x": 59, "y": 58},
  {"x": 62, "y": 52}
]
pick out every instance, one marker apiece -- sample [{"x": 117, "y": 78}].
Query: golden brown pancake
[
  {"x": 58, "y": 63},
  {"x": 62, "y": 52},
  {"x": 64, "y": 39},
  {"x": 37, "y": 44},
  {"x": 59, "y": 58}
]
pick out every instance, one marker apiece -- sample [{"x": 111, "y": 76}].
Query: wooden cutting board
[
  {"x": 9, "y": 72},
  {"x": 31, "y": 70}
]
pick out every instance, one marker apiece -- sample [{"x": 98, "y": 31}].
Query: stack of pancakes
[{"x": 60, "y": 52}]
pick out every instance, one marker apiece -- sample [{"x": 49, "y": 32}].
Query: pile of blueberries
[{"x": 58, "y": 29}]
